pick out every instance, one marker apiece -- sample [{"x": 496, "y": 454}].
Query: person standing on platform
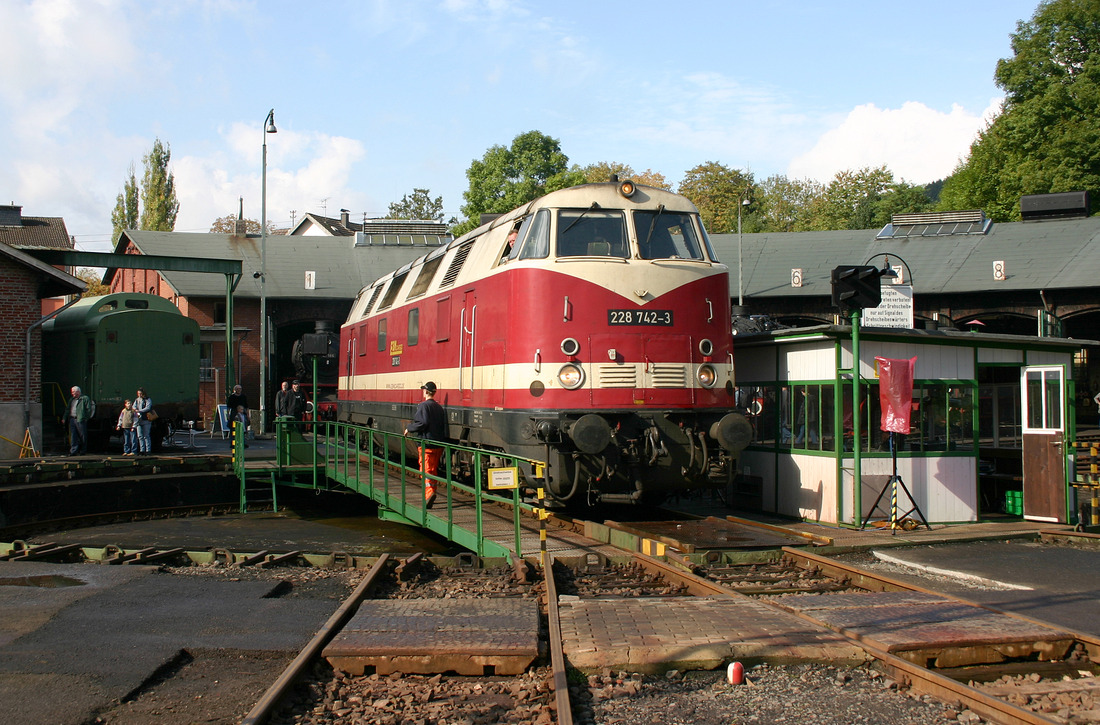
[
  {"x": 235, "y": 402},
  {"x": 126, "y": 419},
  {"x": 81, "y": 410},
  {"x": 142, "y": 406},
  {"x": 296, "y": 402},
  {"x": 281, "y": 399},
  {"x": 430, "y": 423}
]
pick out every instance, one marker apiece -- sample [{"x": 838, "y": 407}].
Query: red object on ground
[{"x": 735, "y": 673}]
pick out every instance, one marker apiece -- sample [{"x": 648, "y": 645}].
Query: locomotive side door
[{"x": 467, "y": 352}]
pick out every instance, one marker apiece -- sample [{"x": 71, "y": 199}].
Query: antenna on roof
[
  {"x": 324, "y": 206},
  {"x": 292, "y": 213}
]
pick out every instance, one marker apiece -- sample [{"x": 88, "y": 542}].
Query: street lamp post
[
  {"x": 269, "y": 127},
  {"x": 742, "y": 201}
]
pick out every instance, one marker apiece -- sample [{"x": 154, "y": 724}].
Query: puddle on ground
[{"x": 46, "y": 581}]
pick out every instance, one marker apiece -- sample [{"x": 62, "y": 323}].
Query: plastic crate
[{"x": 1014, "y": 503}]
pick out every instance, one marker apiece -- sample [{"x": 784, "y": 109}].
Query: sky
[{"x": 374, "y": 98}]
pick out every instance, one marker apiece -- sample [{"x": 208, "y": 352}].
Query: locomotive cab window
[
  {"x": 666, "y": 234},
  {"x": 591, "y": 233},
  {"x": 535, "y": 244}
]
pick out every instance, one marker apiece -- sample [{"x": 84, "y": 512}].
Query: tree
[
  {"x": 1047, "y": 136},
  {"x": 417, "y": 205},
  {"x": 848, "y": 200},
  {"x": 228, "y": 225},
  {"x": 159, "y": 205},
  {"x": 505, "y": 178},
  {"x": 126, "y": 213},
  {"x": 153, "y": 206},
  {"x": 717, "y": 191},
  {"x": 785, "y": 205},
  {"x": 93, "y": 280},
  {"x": 649, "y": 177}
]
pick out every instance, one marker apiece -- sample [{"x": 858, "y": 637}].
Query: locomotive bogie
[{"x": 590, "y": 327}]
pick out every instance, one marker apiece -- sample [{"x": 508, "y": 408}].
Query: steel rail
[
  {"x": 920, "y": 678},
  {"x": 560, "y": 680},
  {"x": 262, "y": 709}
]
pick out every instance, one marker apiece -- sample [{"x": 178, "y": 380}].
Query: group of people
[{"x": 134, "y": 423}]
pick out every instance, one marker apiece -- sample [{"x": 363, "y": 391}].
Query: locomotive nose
[
  {"x": 591, "y": 433},
  {"x": 733, "y": 432}
]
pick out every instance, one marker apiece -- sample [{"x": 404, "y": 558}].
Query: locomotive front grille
[
  {"x": 669, "y": 375},
  {"x": 617, "y": 376}
]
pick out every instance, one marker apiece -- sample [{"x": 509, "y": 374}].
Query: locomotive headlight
[
  {"x": 571, "y": 376},
  {"x": 707, "y": 376},
  {"x": 627, "y": 188}
]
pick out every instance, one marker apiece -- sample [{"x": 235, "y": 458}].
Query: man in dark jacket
[
  {"x": 430, "y": 422},
  {"x": 296, "y": 402}
]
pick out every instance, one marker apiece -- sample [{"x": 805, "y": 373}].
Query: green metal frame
[{"x": 345, "y": 456}]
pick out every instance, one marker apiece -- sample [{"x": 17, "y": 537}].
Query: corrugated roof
[
  {"x": 1056, "y": 254},
  {"x": 341, "y": 269}
]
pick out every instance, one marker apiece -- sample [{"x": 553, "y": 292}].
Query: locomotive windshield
[
  {"x": 666, "y": 234},
  {"x": 591, "y": 233}
]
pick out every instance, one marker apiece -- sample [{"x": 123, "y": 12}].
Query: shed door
[{"x": 1044, "y": 393}]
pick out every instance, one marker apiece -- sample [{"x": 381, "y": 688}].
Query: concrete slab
[
  {"x": 100, "y": 640},
  {"x": 655, "y": 634},
  {"x": 429, "y": 636},
  {"x": 924, "y": 627}
]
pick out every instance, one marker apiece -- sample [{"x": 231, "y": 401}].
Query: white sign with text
[{"x": 895, "y": 310}]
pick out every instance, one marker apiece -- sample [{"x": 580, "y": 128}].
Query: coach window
[
  {"x": 536, "y": 245},
  {"x": 666, "y": 235},
  {"x": 382, "y": 335},
  {"x": 591, "y": 233},
  {"x": 414, "y": 325}
]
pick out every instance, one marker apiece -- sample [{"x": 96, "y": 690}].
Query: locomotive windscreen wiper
[
  {"x": 653, "y": 224},
  {"x": 595, "y": 205}
]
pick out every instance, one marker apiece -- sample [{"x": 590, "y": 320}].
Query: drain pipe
[{"x": 27, "y": 362}]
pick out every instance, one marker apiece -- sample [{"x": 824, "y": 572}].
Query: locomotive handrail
[{"x": 355, "y": 456}]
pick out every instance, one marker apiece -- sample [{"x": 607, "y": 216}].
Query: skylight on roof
[{"x": 936, "y": 224}]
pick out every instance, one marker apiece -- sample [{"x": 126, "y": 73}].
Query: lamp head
[{"x": 269, "y": 122}]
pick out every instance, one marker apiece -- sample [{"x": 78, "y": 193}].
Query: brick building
[{"x": 26, "y": 284}]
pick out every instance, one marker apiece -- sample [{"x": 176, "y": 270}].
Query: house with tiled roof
[{"x": 26, "y": 283}]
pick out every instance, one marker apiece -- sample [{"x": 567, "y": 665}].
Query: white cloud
[
  {"x": 917, "y": 143},
  {"x": 302, "y": 169}
]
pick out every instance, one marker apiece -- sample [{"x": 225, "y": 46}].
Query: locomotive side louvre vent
[
  {"x": 373, "y": 299},
  {"x": 456, "y": 265},
  {"x": 669, "y": 375},
  {"x": 617, "y": 376}
]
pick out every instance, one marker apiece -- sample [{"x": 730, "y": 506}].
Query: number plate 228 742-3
[{"x": 661, "y": 318}]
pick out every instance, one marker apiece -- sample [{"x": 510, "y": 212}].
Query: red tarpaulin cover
[{"x": 895, "y": 391}]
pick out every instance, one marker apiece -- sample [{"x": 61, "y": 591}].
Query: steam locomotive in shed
[
  {"x": 589, "y": 329},
  {"x": 111, "y": 345}
]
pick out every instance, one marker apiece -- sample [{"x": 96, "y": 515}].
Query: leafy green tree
[
  {"x": 153, "y": 206},
  {"x": 717, "y": 191},
  {"x": 848, "y": 200},
  {"x": 228, "y": 225},
  {"x": 506, "y": 177},
  {"x": 159, "y": 205},
  {"x": 95, "y": 286},
  {"x": 656, "y": 179},
  {"x": 785, "y": 205},
  {"x": 1047, "y": 136},
  {"x": 602, "y": 171},
  {"x": 126, "y": 213},
  {"x": 417, "y": 205}
]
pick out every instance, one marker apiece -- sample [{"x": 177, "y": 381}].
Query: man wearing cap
[
  {"x": 296, "y": 403},
  {"x": 430, "y": 423}
]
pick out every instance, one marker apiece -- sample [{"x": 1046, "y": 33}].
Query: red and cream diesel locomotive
[{"x": 589, "y": 328}]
